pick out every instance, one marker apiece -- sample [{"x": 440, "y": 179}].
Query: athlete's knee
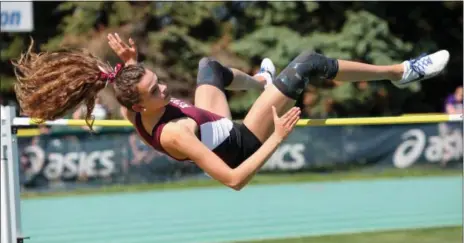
[
  {"x": 213, "y": 73},
  {"x": 308, "y": 67},
  {"x": 204, "y": 62}
]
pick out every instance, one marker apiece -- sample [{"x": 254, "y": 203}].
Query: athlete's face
[{"x": 154, "y": 94}]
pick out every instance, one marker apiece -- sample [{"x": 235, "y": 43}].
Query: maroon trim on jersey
[
  {"x": 139, "y": 126},
  {"x": 154, "y": 141},
  {"x": 175, "y": 109}
]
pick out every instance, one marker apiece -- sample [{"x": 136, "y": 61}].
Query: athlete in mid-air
[{"x": 51, "y": 84}]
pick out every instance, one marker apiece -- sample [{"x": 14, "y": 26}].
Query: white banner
[{"x": 17, "y": 17}]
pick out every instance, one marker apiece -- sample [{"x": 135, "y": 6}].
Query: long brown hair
[{"x": 50, "y": 84}]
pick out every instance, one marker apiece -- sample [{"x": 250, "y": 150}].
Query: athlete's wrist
[
  {"x": 276, "y": 138},
  {"x": 131, "y": 61}
]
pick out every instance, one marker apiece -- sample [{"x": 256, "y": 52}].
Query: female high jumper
[{"x": 51, "y": 84}]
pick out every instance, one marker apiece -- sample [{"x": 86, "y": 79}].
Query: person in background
[{"x": 453, "y": 103}]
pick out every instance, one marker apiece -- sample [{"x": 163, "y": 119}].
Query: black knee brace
[
  {"x": 213, "y": 73},
  {"x": 308, "y": 67}
]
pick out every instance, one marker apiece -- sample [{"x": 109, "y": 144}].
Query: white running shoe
[
  {"x": 267, "y": 70},
  {"x": 422, "y": 68}
]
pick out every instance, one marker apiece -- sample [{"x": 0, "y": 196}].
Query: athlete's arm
[{"x": 184, "y": 141}]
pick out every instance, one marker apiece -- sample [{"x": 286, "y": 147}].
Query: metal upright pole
[
  {"x": 7, "y": 222},
  {"x": 10, "y": 187}
]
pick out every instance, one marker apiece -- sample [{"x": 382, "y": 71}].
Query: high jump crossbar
[
  {"x": 409, "y": 119},
  {"x": 9, "y": 168}
]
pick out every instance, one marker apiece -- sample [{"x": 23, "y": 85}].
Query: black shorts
[{"x": 238, "y": 146}]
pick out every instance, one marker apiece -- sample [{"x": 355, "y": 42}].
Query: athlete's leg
[
  {"x": 311, "y": 67},
  {"x": 264, "y": 77},
  {"x": 213, "y": 78},
  {"x": 212, "y": 99}
]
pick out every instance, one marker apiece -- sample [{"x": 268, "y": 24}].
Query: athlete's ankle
[
  {"x": 263, "y": 78},
  {"x": 396, "y": 72}
]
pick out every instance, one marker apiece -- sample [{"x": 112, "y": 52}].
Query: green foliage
[
  {"x": 6, "y": 83},
  {"x": 173, "y": 36},
  {"x": 279, "y": 13},
  {"x": 363, "y": 36},
  {"x": 243, "y": 101},
  {"x": 187, "y": 17},
  {"x": 122, "y": 13},
  {"x": 82, "y": 17},
  {"x": 177, "y": 53},
  {"x": 14, "y": 49},
  {"x": 278, "y": 43}
]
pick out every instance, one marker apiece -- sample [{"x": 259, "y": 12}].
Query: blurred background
[{"x": 172, "y": 37}]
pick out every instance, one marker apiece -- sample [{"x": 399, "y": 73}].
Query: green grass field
[{"x": 435, "y": 235}]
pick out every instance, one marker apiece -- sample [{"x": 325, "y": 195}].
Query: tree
[{"x": 172, "y": 38}]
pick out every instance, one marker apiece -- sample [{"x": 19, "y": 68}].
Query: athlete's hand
[
  {"x": 127, "y": 53},
  {"x": 285, "y": 124}
]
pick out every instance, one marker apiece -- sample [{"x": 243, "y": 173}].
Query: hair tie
[{"x": 109, "y": 77}]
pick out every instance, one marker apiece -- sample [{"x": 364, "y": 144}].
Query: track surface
[{"x": 257, "y": 212}]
